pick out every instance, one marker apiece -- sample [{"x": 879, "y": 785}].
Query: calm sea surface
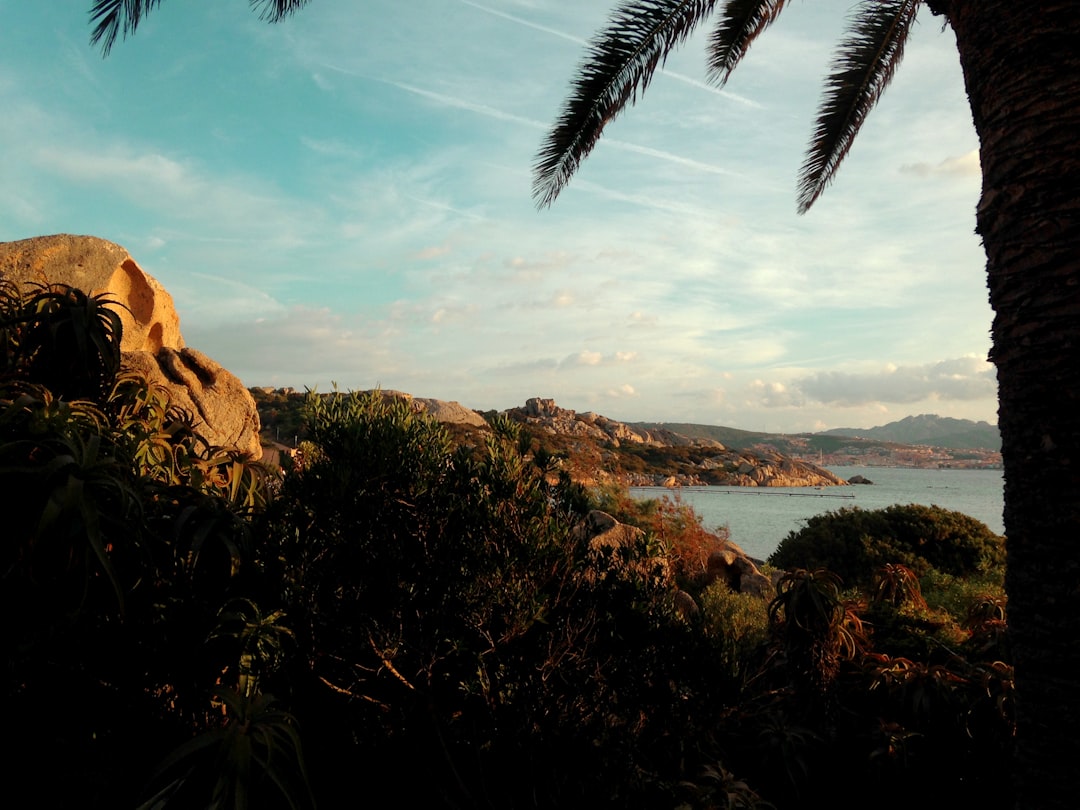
[{"x": 760, "y": 517}]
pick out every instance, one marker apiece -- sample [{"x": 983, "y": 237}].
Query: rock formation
[
  {"x": 450, "y": 413},
  {"x": 152, "y": 344},
  {"x": 610, "y": 547},
  {"x": 543, "y": 414},
  {"x": 730, "y": 565},
  {"x": 717, "y": 465},
  {"x": 775, "y": 470},
  {"x": 224, "y": 411},
  {"x": 95, "y": 266}
]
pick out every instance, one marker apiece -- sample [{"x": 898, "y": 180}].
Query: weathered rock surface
[
  {"x": 730, "y": 565},
  {"x": 544, "y": 414},
  {"x": 96, "y": 266},
  {"x": 608, "y": 542},
  {"x": 224, "y": 410},
  {"x": 216, "y": 398},
  {"x": 774, "y": 470},
  {"x": 451, "y": 413}
]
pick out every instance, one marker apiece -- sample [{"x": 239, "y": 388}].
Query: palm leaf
[
  {"x": 740, "y": 23},
  {"x": 276, "y": 10},
  {"x": 111, "y": 17},
  {"x": 865, "y": 63},
  {"x": 618, "y": 65}
]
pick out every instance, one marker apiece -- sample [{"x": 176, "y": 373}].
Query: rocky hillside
[
  {"x": 594, "y": 447},
  {"x": 590, "y": 447}
]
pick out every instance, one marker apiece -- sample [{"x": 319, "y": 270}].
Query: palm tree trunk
[{"x": 1022, "y": 70}]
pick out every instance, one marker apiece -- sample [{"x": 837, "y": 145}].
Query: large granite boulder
[
  {"x": 450, "y": 413},
  {"x": 96, "y": 266},
  {"x": 152, "y": 344},
  {"x": 731, "y": 565},
  {"x": 223, "y": 408},
  {"x": 615, "y": 548}
]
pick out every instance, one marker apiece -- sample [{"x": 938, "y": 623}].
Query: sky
[{"x": 345, "y": 198}]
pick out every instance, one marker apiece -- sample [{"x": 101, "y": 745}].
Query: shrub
[
  {"x": 853, "y": 543},
  {"x": 675, "y": 524},
  {"x": 738, "y": 624},
  {"x": 450, "y": 616},
  {"x": 123, "y": 535}
]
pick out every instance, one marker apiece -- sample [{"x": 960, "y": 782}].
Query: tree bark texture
[{"x": 1021, "y": 63}]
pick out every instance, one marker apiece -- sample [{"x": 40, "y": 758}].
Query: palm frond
[
  {"x": 863, "y": 67},
  {"x": 113, "y": 16},
  {"x": 618, "y": 65},
  {"x": 739, "y": 25},
  {"x": 276, "y": 10}
]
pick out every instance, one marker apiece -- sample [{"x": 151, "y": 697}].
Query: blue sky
[{"x": 345, "y": 197}]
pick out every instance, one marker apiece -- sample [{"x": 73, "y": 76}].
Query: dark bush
[
  {"x": 854, "y": 543},
  {"x": 451, "y": 617}
]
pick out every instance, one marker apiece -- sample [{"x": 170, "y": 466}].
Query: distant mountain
[{"x": 929, "y": 429}]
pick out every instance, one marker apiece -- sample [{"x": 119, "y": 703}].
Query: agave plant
[
  {"x": 73, "y": 508},
  {"x": 897, "y": 585},
  {"x": 71, "y": 342},
  {"x": 816, "y": 628},
  {"x": 262, "y": 639},
  {"x": 253, "y": 759}
]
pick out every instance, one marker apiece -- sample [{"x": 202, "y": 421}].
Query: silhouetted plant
[
  {"x": 113, "y": 512},
  {"x": 67, "y": 340},
  {"x": 815, "y": 627},
  {"x": 260, "y": 639},
  {"x": 715, "y": 788},
  {"x": 896, "y": 585},
  {"x": 452, "y": 616},
  {"x": 252, "y": 759}
]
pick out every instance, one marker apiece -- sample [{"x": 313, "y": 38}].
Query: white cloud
[
  {"x": 967, "y": 165},
  {"x": 961, "y": 379},
  {"x": 381, "y": 228},
  {"x": 623, "y": 391}
]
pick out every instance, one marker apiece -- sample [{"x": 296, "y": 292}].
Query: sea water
[{"x": 758, "y": 518}]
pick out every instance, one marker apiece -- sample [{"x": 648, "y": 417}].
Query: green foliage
[
  {"x": 412, "y": 600},
  {"x": 454, "y": 617},
  {"x": 281, "y": 416},
  {"x": 738, "y": 624},
  {"x": 261, "y": 640},
  {"x": 252, "y": 759},
  {"x": 61, "y": 338},
  {"x": 955, "y": 595},
  {"x": 853, "y": 543},
  {"x": 123, "y": 535}
]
